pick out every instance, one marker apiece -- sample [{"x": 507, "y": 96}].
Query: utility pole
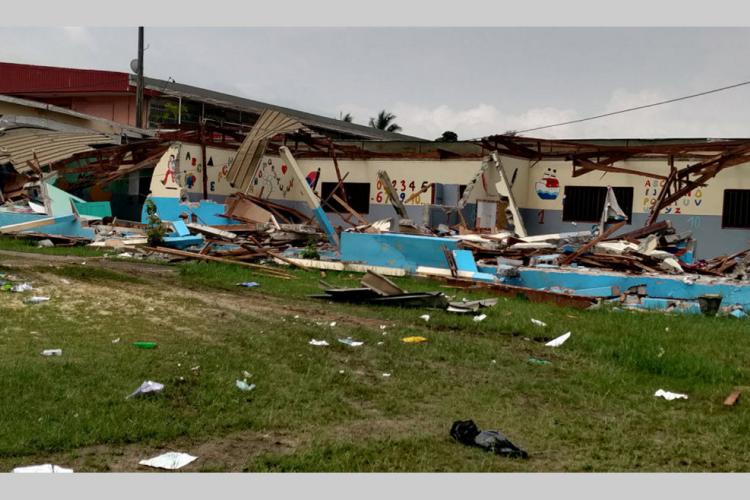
[{"x": 139, "y": 88}]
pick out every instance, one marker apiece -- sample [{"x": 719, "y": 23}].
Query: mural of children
[{"x": 171, "y": 169}]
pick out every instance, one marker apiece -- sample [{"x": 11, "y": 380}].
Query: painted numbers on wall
[{"x": 406, "y": 188}]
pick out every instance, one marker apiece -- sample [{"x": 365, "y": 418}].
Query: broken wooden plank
[
  {"x": 610, "y": 230},
  {"x": 349, "y": 209},
  {"x": 191, "y": 255},
  {"x": 733, "y": 397},
  {"x": 23, "y": 226},
  {"x": 398, "y": 205},
  {"x": 211, "y": 231}
]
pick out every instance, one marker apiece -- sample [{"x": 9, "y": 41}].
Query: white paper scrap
[
  {"x": 44, "y": 469},
  {"x": 318, "y": 342},
  {"x": 558, "y": 341},
  {"x": 171, "y": 461},
  {"x": 669, "y": 396},
  {"x": 538, "y": 323}
]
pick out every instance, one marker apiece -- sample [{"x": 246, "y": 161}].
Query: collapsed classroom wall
[{"x": 539, "y": 188}]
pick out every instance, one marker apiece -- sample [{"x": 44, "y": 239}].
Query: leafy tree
[
  {"x": 384, "y": 121},
  {"x": 348, "y": 118},
  {"x": 447, "y": 136}
]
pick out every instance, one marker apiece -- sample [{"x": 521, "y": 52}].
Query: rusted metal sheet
[{"x": 19, "y": 146}]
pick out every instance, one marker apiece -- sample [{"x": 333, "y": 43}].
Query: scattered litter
[
  {"x": 21, "y": 287},
  {"x": 494, "y": 361},
  {"x": 738, "y": 313},
  {"x": 537, "y": 361},
  {"x": 64, "y": 281},
  {"x": 244, "y": 386},
  {"x": 52, "y": 352},
  {"x": 558, "y": 341},
  {"x": 386, "y": 375},
  {"x": 248, "y": 284},
  {"x": 661, "y": 352},
  {"x": 247, "y": 374},
  {"x": 147, "y": 387},
  {"x": 382, "y": 327},
  {"x": 479, "y": 318},
  {"x": 296, "y": 316},
  {"x": 341, "y": 372},
  {"x": 116, "y": 340},
  {"x": 37, "y": 299},
  {"x": 414, "y": 340},
  {"x": 733, "y": 397},
  {"x": 669, "y": 396},
  {"x": 195, "y": 368},
  {"x": 318, "y": 342},
  {"x": 333, "y": 323},
  {"x": 466, "y": 432},
  {"x": 538, "y": 323},
  {"x": 44, "y": 469},
  {"x": 381, "y": 343},
  {"x": 425, "y": 317},
  {"x": 145, "y": 345},
  {"x": 351, "y": 342},
  {"x": 171, "y": 461}
]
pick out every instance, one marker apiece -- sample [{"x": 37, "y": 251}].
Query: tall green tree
[
  {"x": 447, "y": 136},
  {"x": 384, "y": 121}
]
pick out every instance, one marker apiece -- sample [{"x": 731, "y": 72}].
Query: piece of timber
[
  {"x": 645, "y": 231},
  {"x": 561, "y": 299},
  {"x": 610, "y": 230},
  {"x": 211, "y": 231},
  {"x": 191, "y": 255},
  {"x": 22, "y": 226},
  {"x": 398, "y": 205},
  {"x": 349, "y": 209}
]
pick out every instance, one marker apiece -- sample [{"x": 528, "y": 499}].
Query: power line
[{"x": 636, "y": 108}]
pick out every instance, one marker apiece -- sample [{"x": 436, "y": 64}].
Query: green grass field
[{"x": 331, "y": 408}]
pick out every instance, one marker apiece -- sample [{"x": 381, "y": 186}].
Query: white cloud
[
  {"x": 79, "y": 35},
  {"x": 683, "y": 119}
]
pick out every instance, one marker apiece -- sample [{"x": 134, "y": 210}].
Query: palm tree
[
  {"x": 383, "y": 122},
  {"x": 348, "y": 118}
]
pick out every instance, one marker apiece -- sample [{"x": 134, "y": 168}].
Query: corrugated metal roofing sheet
[
  {"x": 248, "y": 155},
  {"x": 20, "y": 145}
]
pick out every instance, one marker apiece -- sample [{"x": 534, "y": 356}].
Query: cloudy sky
[{"x": 474, "y": 81}]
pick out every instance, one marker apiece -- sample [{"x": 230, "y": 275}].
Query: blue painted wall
[{"x": 404, "y": 251}]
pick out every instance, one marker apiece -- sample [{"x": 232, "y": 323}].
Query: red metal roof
[{"x": 29, "y": 79}]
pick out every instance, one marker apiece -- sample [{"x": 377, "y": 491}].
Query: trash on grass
[
  {"x": 171, "y": 461},
  {"x": 52, "y": 352},
  {"x": 333, "y": 323},
  {"x": 479, "y": 318},
  {"x": 466, "y": 432},
  {"x": 425, "y": 317},
  {"x": 145, "y": 345},
  {"x": 147, "y": 387},
  {"x": 386, "y": 375},
  {"x": 44, "y": 468},
  {"x": 248, "y": 284},
  {"x": 116, "y": 340},
  {"x": 536, "y": 361},
  {"x": 351, "y": 342},
  {"x": 244, "y": 386},
  {"x": 414, "y": 340},
  {"x": 318, "y": 342},
  {"x": 558, "y": 341},
  {"x": 669, "y": 396},
  {"x": 21, "y": 287},
  {"x": 37, "y": 299},
  {"x": 538, "y": 323}
]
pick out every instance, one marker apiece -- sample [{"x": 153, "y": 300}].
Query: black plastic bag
[{"x": 467, "y": 432}]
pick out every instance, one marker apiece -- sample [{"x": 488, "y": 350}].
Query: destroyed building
[{"x": 657, "y": 224}]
